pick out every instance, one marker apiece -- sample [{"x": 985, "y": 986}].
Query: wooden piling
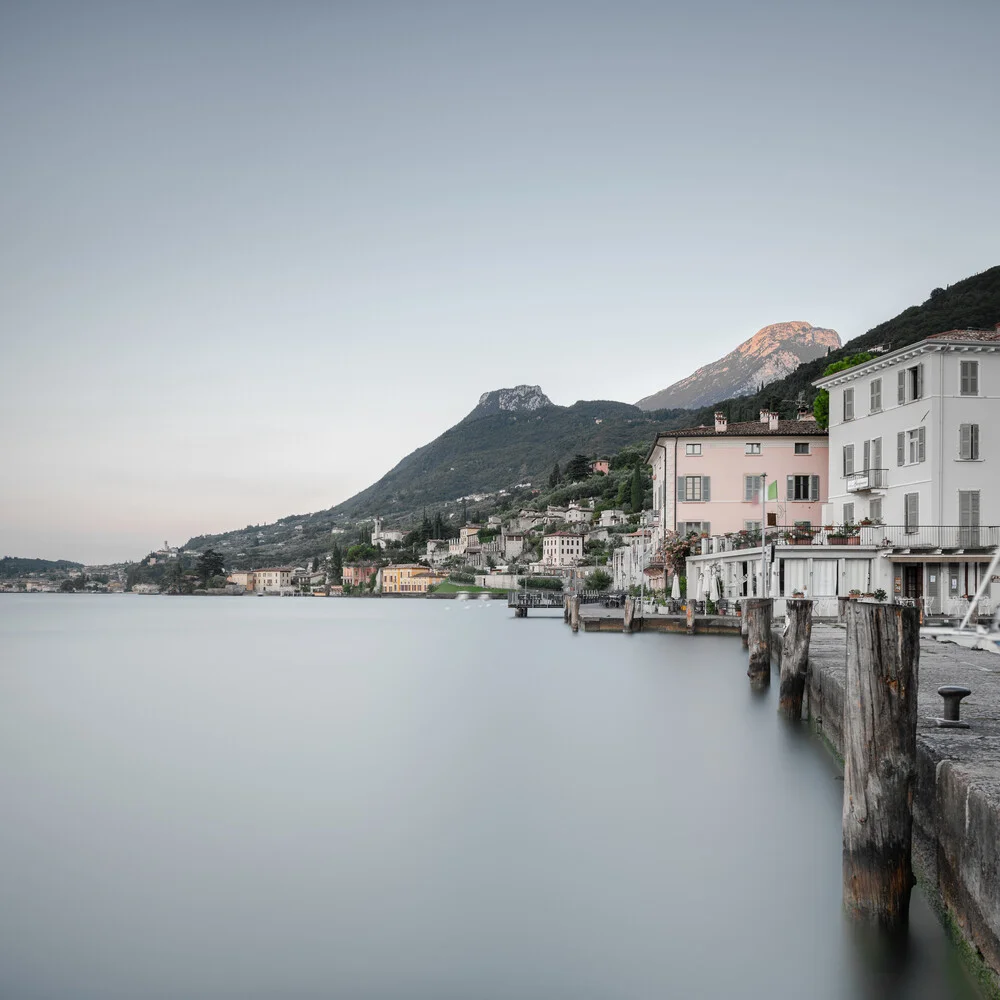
[
  {"x": 794, "y": 656},
  {"x": 842, "y": 603},
  {"x": 574, "y": 616},
  {"x": 880, "y": 745},
  {"x": 689, "y": 611},
  {"x": 629, "y": 614},
  {"x": 744, "y": 628},
  {"x": 757, "y": 611},
  {"x": 566, "y": 600}
]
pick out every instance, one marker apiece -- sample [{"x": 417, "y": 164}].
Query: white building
[
  {"x": 383, "y": 536},
  {"x": 630, "y": 560},
  {"x": 612, "y": 518},
  {"x": 562, "y": 548},
  {"x": 914, "y": 446},
  {"x": 273, "y": 580},
  {"x": 578, "y": 514}
]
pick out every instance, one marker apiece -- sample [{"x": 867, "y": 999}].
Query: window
[
  {"x": 875, "y": 395},
  {"x": 752, "y": 448},
  {"x": 968, "y": 442},
  {"x": 698, "y": 527},
  {"x": 802, "y": 488},
  {"x": 848, "y": 459},
  {"x": 875, "y": 508},
  {"x": 751, "y": 525},
  {"x": 801, "y": 447},
  {"x": 911, "y": 508},
  {"x": 910, "y": 384},
  {"x": 751, "y": 489},
  {"x": 969, "y": 378},
  {"x": 693, "y": 488},
  {"x": 848, "y": 513},
  {"x": 848, "y": 404},
  {"x": 915, "y": 446},
  {"x": 692, "y": 449}
]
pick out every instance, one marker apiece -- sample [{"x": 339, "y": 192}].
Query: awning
[{"x": 938, "y": 557}]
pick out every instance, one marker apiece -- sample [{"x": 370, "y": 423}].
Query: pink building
[
  {"x": 358, "y": 573},
  {"x": 708, "y": 479},
  {"x": 601, "y": 465}
]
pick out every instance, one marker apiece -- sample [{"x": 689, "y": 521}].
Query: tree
[
  {"x": 598, "y": 580},
  {"x": 554, "y": 476},
  {"x": 336, "y": 565},
  {"x": 636, "y": 490},
  {"x": 210, "y": 564},
  {"x": 315, "y": 565},
  {"x": 578, "y": 468}
]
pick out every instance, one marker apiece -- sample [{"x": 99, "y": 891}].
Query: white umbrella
[
  {"x": 715, "y": 589},
  {"x": 675, "y": 590},
  {"x": 701, "y": 587}
]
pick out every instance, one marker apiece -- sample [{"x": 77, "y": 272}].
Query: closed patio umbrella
[
  {"x": 675, "y": 589},
  {"x": 715, "y": 589},
  {"x": 701, "y": 587}
]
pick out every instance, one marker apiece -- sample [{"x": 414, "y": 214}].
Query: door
[
  {"x": 913, "y": 578},
  {"x": 933, "y": 602}
]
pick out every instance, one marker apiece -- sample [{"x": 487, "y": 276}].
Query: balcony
[
  {"x": 932, "y": 538},
  {"x": 867, "y": 479}
]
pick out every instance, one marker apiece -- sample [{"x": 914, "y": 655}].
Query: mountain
[
  {"x": 11, "y": 566},
  {"x": 522, "y": 398},
  {"x": 973, "y": 303},
  {"x": 770, "y": 354}
]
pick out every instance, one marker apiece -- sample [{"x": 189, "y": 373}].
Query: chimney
[
  {"x": 763, "y": 416},
  {"x": 772, "y": 420},
  {"x": 720, "y": 423}
]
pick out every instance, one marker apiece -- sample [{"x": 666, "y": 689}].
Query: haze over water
[{"x": 378, "y": 799}]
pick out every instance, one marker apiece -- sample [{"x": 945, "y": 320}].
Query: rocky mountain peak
[
  {"x": 520, "y": 398},
  {"x": 771, "y": 353}
]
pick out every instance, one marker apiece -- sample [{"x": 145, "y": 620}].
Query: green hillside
[
  {"x": 497, "y": 452},
  {"x": 11, "y": 567},
  {"x": 973, "y": 302}
]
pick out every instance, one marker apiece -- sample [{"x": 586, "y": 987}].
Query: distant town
[{"x": 886, "y": 488}]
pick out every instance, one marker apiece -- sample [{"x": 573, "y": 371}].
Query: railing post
[
  {"x": 794, "y": 656},
  {"x": 880, "y": 744},
  {"x": 758, "y": 611}
]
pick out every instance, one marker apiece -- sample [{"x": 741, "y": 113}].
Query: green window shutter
[
  {"x": 814, "y": 487},
  {"x": 706, "y": 487},
  {"x": 680, "y": 487},
  {"x": 790, "y": 487}
]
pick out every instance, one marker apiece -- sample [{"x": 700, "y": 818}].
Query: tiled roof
[
  {"x": 752, "y": 428},
  {"x": 970, "y": 336}
]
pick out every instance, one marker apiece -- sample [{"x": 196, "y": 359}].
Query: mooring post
[
  {"x": 744, "y": 627},
  {"x": 794, "y": 656},
  {"x": 880, "y": 747},
  {"x": 842, "y": 603},
  {"x": 689, "y": 610},
  {"x": 758, "y": 611},
  {"x": 574, "y": 617},
  {"x": 566, "y": 600},
  {"x": 629, "y": 613}
]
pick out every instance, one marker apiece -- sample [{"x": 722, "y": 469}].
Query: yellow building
[
  {"x": 409, "y": 578},
  {"x": 242, "y": 578}
]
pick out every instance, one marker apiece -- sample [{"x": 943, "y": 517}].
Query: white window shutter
[
  {"x": 919, "y": 394},
  {"x": 680, "y": 487},
  {"x": 706, "y": 487},
  {"x": 790, "y": 487},
  {"x": 814, "y": 488},
  {"x": 901, "y": 386},
  {"x": 921, "y": 443},
  {"x": 901, "y": 448}
]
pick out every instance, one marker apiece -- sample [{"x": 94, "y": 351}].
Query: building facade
[
  {"x": 708, "y": 479},
  {"x": 272, "y": 580},
  {"x": 358, "y": 574},
  {"x": 914, "y": 450},
  {"x": 562, "y": 548},
  {"x": 409, "y": 578}
]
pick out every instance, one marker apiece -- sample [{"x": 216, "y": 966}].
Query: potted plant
[
  {"x": 853, "y": 533},
  {"x": 854, "y": 594},
  {"x": 838, "y": 535},
  {"x": 880, "y": 595},
  {"x": 798, "y": 593}
]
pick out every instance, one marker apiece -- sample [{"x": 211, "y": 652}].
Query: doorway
[{"x": 913, "y": 581}]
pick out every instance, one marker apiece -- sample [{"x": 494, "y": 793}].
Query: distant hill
[
  {"x": 11, "y": 566},
  {"x": 770, "y": 354},
  {"x": 971, "y": 303}
]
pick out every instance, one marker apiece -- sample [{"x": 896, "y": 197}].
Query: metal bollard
[{"x": 953, "y": 695}]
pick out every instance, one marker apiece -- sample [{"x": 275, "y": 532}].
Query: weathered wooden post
[
  {"x": 842, "y": 603},
  {"x": 689, "y": 611},
  {"x": 629, "y": 614},
  {"x": 758, "y": 611},
  {"x": 566, "y": 600},
  {"x": 574, "y": 616},
  {"x": 880, "y": 746},
  {"x": 744, "y": 628},
  {"x": 794, "y": 656}
]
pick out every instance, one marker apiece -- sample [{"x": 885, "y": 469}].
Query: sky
[{"x": 252, "y": 254}]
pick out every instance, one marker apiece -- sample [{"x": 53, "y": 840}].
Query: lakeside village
[{"x": 888, "y": 490}]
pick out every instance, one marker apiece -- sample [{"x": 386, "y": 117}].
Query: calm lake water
[{"x": 359, "y": 799}]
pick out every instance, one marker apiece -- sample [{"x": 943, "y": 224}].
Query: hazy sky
[{"x": 252, "y": 254}]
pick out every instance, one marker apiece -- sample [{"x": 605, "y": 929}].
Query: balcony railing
[
  {"x": 931, "y": 537},
  {"x": 879, "y": 536},
  {"x": 867, "y": 479}
]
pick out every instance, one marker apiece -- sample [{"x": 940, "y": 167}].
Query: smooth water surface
[{"x": 411, "y": 799}]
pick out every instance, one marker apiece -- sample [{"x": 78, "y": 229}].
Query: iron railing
[
  {"x": 867, "y": 479},
  {"x": 932, "y": 536}
]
